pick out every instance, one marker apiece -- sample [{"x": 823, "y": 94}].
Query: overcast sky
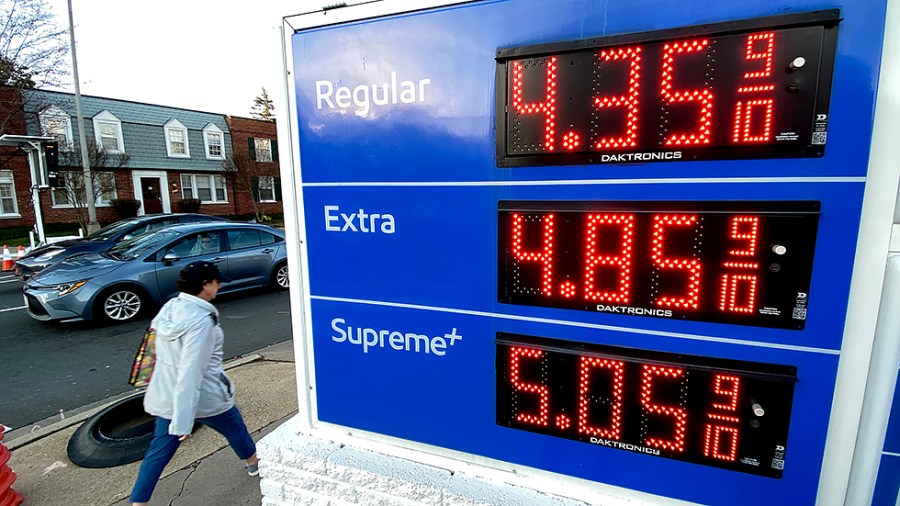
[{"x": 206, "y": 55}]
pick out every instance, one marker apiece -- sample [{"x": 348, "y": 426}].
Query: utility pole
[{"x": 93, "y": 226}]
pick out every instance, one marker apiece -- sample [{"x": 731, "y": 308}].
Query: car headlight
[
  {"x": 67, "y": 288},
  {"x": 48, "y": 255}
]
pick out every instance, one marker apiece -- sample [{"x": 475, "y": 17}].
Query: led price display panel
[
  {"x": 752, "y": 89},
  {"x": 716, "y": 412},
  {"x": 746, "y": 263}
]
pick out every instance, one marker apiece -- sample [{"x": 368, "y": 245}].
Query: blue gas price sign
[{"x": 621, "y": 237}]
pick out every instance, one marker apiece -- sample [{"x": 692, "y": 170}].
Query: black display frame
[
  {"x": 770, "y": 438},
  {"x": 809, "y": 209},
  {"x": 829, "y": 19}
]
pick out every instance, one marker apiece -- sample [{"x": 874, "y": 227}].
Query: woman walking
[{"x": 189, "y": 382}]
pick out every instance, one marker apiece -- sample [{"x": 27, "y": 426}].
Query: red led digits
[
  {"x": 678, "y": 414},
  {"x": 547, "y": 107},
  {"x": 543, "y": 257},
  {"x": 629, "y": 100},
  {"x": 614, "y": 429},
  {"x": 671, "y": 51},
  {"x": 543, "y": 416},
  {"x": 734, "y": 284},
  {"x": 622, "y": 261},
  {"x": 767, "y": 54},
  {"x": 661, "y": 222},
  {"x": 570, "y": 141},
  {"x": 737, "y": 291},
  {"x": 745, "y": 228},
  {"x": 753, "y": 117},
  {"x": 727, "y": 387},
  {"x": 712, "y": 443},
  {"x": 731, "y": 393}
]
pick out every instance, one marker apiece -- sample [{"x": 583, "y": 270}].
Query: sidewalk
[{"x": 204, "y": 471}]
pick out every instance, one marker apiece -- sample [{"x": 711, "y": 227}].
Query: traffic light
[{"x": 51, "y": 158}]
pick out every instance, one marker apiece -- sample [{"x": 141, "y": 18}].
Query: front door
[{"x": 151, "y": 196}]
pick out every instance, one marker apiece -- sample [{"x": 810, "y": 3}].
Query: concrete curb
[{"x": 80, "y": 414}]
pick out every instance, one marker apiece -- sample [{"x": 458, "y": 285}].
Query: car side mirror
[{"x": 171, "y": 257}]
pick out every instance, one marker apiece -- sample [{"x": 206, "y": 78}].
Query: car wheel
[
  {"x": 280, "y": 280},
  {"x": 117, "y": 435},
  {"x": 120, "y": 304}
]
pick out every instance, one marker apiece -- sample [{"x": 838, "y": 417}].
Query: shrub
[
  {"x": 127, "y": 208},
  {"x": 188, "y": 205}
]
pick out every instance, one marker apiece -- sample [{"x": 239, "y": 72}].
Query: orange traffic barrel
[{"x": 8, "y": 496}]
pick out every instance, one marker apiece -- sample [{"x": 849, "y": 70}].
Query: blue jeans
[{"x": 162, "y": 448}]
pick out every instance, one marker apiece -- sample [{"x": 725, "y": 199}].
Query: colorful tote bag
[{"x": 144, "y": 360}]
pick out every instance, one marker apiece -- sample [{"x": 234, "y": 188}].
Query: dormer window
[
  {"x": 57, "y": 124},
  {"x": 177, "y": 139},
  {"x": 108, "y": 132},
  {"x": 214, "y": 141}
]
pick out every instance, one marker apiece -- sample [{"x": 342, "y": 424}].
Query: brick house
[
  {"x": 256, "y": 178},
  {"x": 16, "y": 207},
  {"x": 172, "y": 153}
]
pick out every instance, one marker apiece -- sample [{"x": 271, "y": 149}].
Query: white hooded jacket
[{"x": 188, "y": 379}]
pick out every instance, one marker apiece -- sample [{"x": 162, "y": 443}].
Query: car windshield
[
  {"x": 108, "y": 232},
  {"x": 141, "y": 245}
]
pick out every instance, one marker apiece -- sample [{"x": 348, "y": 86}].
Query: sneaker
[{"x": 252, "y": 470}]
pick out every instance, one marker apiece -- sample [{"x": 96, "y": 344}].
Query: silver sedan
[{"x": 139, "y": 274}]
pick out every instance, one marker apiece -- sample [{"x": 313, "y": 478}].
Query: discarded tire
[{"x": 117, "y": 435}]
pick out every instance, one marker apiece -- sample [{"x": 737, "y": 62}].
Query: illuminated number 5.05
[
  {"x": 543, "y": 393},
  {"x": 614, "y": 429},
  {"x": 678, "y": 414}
]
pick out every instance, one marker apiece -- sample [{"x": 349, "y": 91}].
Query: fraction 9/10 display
[
  {"x": 746, "y": 263},
  {"x": 758, "y": 91},
  {"x": 716, "y": 412}
]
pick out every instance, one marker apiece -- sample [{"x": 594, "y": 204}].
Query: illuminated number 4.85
[{"x": 737, "y": 282}]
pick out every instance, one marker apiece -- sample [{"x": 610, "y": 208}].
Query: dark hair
[{"x": 195, "y": 274}]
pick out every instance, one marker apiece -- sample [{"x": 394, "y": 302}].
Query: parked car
[
  {"x": 51, "y": 254},
  {"x": 139, "y": 274}
]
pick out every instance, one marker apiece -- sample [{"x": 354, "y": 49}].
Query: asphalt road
[{"x": 46, "y": 368}]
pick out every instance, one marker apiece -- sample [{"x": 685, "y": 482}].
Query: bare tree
[
  {"x": 246, "y": 174},
  {"x": 72, "y": 187},
  {"x": 33, "y": 51},
  {"x": 263, "y": 108}
]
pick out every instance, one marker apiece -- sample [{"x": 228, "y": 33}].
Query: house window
[
  {"x": 7, "y": 194},
  {"x": 210, "y": 189},
  {"x": 57, "y": 124},
  {"x": 108, "y": 132},
  {"x": 71, "y": 191},
  {"x": 266, "y": 189},
  {"x": 177, "y": 139},
  {"x": 214, "y": 139},
  {"x": 263, "y": 148}
]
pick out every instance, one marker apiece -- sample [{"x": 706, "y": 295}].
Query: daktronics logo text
[
  {"x": 640, "y": 311},
  {"x": 624, "y": 446},
  {"x": 641, "y": 157}
]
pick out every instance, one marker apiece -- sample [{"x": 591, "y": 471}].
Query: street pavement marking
[
  {"x": 12, "y": 309},
  {"x": 9, "y": 281}
]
